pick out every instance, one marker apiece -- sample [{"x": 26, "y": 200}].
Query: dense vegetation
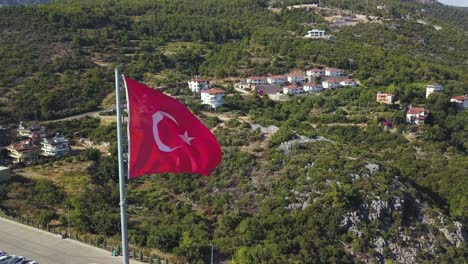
[{"x": 60, "y": 64}]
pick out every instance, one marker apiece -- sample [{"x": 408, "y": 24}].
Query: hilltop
[{"x": 317, "y": 178}]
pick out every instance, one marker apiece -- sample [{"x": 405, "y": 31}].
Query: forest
[{"x": 312, "y": 202}]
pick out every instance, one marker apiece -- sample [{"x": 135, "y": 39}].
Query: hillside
[{"x": 315, "y": 179}]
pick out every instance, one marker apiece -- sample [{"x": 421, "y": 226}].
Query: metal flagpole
[{"x": 123, "y": 204}]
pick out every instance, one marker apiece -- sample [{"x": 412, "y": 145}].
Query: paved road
[
  {"x": 46, "y": 248},
  {"x": 91, "y": 114}
]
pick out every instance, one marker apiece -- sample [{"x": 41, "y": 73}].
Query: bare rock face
[{"x": 456, "y": 236}]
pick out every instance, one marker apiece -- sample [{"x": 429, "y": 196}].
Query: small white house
[
  {"x": 213, "y": 97},
  {"x": 416, "y": 115},
  {"x": 315, "y": 72},
  {"x": 55, "y": 147},
  {"x": 312, "y": 87},
  {"x": 333, "y": 72},
  {"x": 256, "y": 80},
  {"x": 461, "y": 101},
  {"x": 348, "y": 82},
  {"x": 292, "y": 89},
  {"x": 197, "y": 85},
  {"x": 296, "y": 78},
  {"x": 331, "y": 84},
  {"x": 315, "y": 33},
  {"x": 433, "y": 88},
  {"x": 277, "y": 79}
]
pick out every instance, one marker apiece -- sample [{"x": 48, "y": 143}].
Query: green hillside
[{"x": 327, "y": 184}]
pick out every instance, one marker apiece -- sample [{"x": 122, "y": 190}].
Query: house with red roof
[
  {"x": 197, "y": 84},
  {"x": 331, "y": 83},
  {"x": 312, "y": 87},
  {"x": 23, "y": 151},
  {"x": 348, "y": 82},
  {"x": 333, "y": 72},
  {"x": 461, "y": 101},
  {"x": 292, "y": 89},
  {"x": 277, "y": 79},
  {"x": 315, "y": 72},
  {"x": 416, "y": 115},
  {"x": 213, "y": 97},
  {"x": 296, "y": 77},
  {"x": 256, "y": 80}
]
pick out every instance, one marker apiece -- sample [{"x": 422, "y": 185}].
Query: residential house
[
  {"x": 315, "y": 72},
  {"x": 35, "y": 132},
  {"x": 333, "y": 72},
  {"x": 23, "y": 151},
  {"x": 315, "y": 33},
  {"x": 348, "y": 82},
  {"x": 433, "y": 88},
  {"x": 256, "y": 80},
  {"x": 213, "y": 97},
  {"x": 5, "y": 136},
  {"x": 331, "y": 84},
  {"x": 277, "y": 79},
  {"x": 416, "y": 115},
  {"x": 385, "y": 98},
  {"x": 461, "y": 101},
  {"x": 55, "y": 147},
  {"x": 312, "y": 87},
  {"x": 197, "y": 85},
  {"x": 292, "y": 89},
  {"x": 296, "y": 78}
]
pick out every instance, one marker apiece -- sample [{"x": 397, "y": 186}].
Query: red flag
[{"x": 165, "y": 136}]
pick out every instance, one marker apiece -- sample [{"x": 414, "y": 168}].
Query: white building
[
  {"x": 34, "y": 132},
  {"x": 277, "y": 79},
  {"x": 348, "y": 82},
  {"x": 296, "y": 78},
  {"x": 461, "y": 101},
  {"x": 55, "y": 147},
  {"x": 416, "y": 115},
  {"x": 333, "y": 72},
  {"x": 315, "y": 33},
  {"x": 315, "y": 72},
  {"x": 197, "y": 85},
  {"x": 213, "y": 97},
  {"x": 433, "y": 88},
  {"x": 292, "y": 89},
  {"x": 331, "y": 84},
  {"x": 312, "y": 87},
  {"x": 256, "y": 80}
]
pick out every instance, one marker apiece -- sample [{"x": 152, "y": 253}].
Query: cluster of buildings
[
  {"x": 418, "y": 115},
  {"x": 212, "y": 97},
  {"x": 318, "y": 34},
  {"x": 31, "y": 141},
  {"x": 313, "y": 81}
]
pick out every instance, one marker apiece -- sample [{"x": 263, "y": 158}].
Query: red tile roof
[
  {"x": 316, "y": 70},
  {"x": 198, "y": 80},
  {"x": 460, "y": 97},
  {"x": 22, "y": 145},
  {"x": 213, "y": 91},
  {"x": 416, "y": 110}
]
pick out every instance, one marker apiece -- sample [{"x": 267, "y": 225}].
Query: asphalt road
[{"x": 46, "y": 248}]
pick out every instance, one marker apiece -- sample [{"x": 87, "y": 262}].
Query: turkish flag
[{"x": 165, "y": 136}]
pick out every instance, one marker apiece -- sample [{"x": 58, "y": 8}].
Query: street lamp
[{"x": 211, "y": 253}]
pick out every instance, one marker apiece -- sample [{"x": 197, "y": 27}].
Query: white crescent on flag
[{"x": 157, "y": 117}]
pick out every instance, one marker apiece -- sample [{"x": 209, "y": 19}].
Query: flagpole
[{"x": 123, "y": 205}]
